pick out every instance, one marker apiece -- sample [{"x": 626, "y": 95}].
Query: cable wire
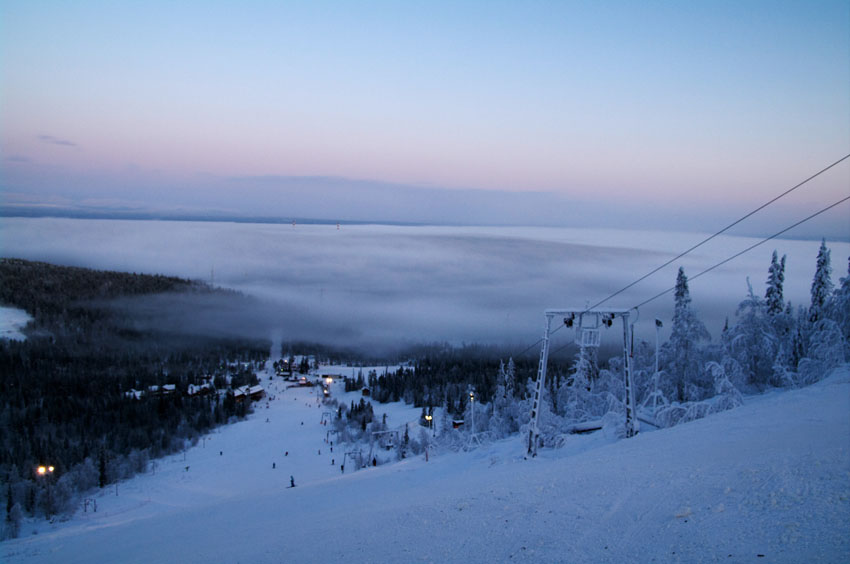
[
  {"x": 731, "y": 225},
  {"x": 748, "y": 249},
  {"x": 706, "y": 240}
]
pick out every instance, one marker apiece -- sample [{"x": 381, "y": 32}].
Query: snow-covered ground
[
  {"x": 767, "y": 482},
  {"x": 12, "y": 320}
]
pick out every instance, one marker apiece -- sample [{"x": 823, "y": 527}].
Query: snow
[
  {"x": 769, "y": 478},
  {"x": 12, "y": 320}
]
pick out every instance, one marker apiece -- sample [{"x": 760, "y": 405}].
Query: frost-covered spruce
[
  {"x": 821, "y": 285},
  {"x": 775, "y": 280},
  {"x": 682, "y": 352}
]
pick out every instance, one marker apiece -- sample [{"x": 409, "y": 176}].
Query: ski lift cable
[
  {"x": 748, "y": 249},
  {"x": 731, "y": 225},
  {"x": 710, "y": 268},
  {"x": 532, "y": 345},
  {"x": 706, "y": 240}
]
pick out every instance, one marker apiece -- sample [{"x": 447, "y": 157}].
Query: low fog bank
[
  {"x": 219, "y": 315},
  {"x": 386, "y": 287}
]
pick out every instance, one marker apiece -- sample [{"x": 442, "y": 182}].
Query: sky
[{"x": 543, "y": 113}]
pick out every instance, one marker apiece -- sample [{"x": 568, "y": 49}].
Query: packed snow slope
[
  {"x": 12, "y": 321},
  {"x": 767, "y": 482}
]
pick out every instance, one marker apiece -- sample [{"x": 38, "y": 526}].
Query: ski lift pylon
[{"x": 586, "y": 333}]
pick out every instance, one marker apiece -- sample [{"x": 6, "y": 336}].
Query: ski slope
[
  {"x": 767, "y": 482},
  {"x": 12, "y": 322}
]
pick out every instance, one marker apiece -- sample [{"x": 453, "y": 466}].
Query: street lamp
[
  {"x": 46, "y": 472},
  {"x": 658, "y": 326},
  {"x": 472, "y": 408},
  {"x": 430, "y": 419}
]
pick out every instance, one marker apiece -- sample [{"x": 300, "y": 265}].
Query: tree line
[{"x": 64, "y": 398}]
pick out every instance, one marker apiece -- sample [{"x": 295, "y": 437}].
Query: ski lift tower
[{"x": 588, "y": 324}]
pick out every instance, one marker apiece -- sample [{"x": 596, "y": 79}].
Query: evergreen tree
[
  {"x": 510, "y": 378},
  {"x": 13, "y": 520},
  {"x": 775, "y": 280},
  {"x": 821, "y": 285},
  {"x": 461, "y": 406},
  {"x": 752, "y": 341},
  {"x": 102, "y": 477},
  {"x": 841, "y": 309},
  {"x": 681, "y": 352},
  {"x": 9, "y": 501}
]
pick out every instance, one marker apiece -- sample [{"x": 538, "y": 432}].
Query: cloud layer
[
  {"x": 384, "y": 285},
  {"x": 56, "y": 141}
]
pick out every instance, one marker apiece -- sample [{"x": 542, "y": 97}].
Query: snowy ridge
[{"x": 770, "y": 478}]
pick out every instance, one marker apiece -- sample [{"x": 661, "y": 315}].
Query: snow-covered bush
[
  {"x": 677, "y": 413},
  {"x": 752, "y": 341},
  {"x": 614, "y": 425},
  {"x": 825, "y": 352},
  {"x": 11, "y": 526},
  {"x": 726, "y": 397}
]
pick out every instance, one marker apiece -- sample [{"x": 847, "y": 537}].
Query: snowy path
[{"x": 771, "y": 478}]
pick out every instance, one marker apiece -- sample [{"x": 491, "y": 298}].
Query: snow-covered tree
[
  {"x": 775, "y": 279},
  {"x": 682, "y": 352},
  {"x": 507, "y": 410},
  {"x": 840, "y": 309},
  {"x": 510, "y": 378},
  {"x": 751, "y": 341},
  {"x": 505, "y": 384},
  {"x": 727, "y": 395},
  {"x": 821, "y": 285},
  {"x": 12, "y": 525},
  {"x": 825, "y": 352}
]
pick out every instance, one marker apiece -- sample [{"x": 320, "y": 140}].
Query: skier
[
  {"x": 273, "y": 466},
  {"x": 291, "y": 481}
]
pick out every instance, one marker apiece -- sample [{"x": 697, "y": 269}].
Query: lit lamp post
[
  {"x": 46, "y": 472},
  {"x": 472, "y": 408},
  {"x": 430, "y": 419},
  {"x": 473, "y": 438},
  {"x": 658, "y": 326}
]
